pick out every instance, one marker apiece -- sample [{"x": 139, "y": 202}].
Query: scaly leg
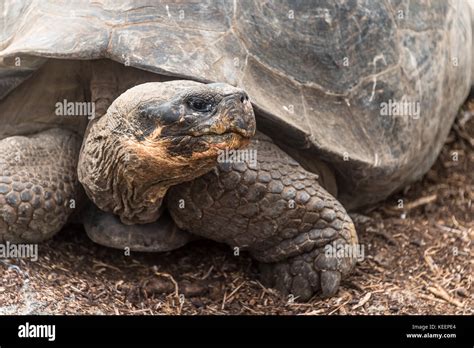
[
  {"x": 277, "y": 210},
  {"x": 38, "y": 184}
]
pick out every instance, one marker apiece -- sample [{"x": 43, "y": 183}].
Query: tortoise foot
[{"x": 317, "y": 271}]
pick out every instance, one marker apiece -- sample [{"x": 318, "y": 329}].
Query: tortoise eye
[{"x": 200, "y": 104}]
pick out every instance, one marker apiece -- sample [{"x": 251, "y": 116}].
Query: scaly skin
[
  {"x": 277, "y": 211},
  {"x": 37, "y": 181}
]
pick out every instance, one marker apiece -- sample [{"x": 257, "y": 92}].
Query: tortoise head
[{"x": 156, "y": 135}]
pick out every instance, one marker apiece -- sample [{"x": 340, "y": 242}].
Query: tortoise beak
[{"x": 237, "y": 116}]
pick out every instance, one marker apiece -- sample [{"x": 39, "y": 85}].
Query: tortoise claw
[
  {"x": 330, "y": 281},
  {"x": 318, "y": 271}
]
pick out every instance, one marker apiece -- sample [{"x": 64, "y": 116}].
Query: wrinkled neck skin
[{"x": 129, "y": 176}]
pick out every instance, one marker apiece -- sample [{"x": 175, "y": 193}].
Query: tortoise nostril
[{"x": 243, "y": 97}]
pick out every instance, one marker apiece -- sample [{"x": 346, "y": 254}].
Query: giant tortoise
[{"x": 353, "y": 100}]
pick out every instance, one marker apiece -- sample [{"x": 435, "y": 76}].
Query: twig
[
  {"x": 208, "y": 273},
  {"x": 438, "y": 291},
  {"x": 170, "y": 277},
  {"x": 431, "y": 264},
  {"x": 102, "y": 264},
  {"x": 224, "y": 300},
  {"x": 362, "y": 301},
  {"x": 340, "y": 306},
  {"x": 420, "y": 201},
  {"x": 234, "y": 291}
]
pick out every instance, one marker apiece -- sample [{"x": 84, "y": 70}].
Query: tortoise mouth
[
  {"x": 205, "y": 145},
  {"x": 229, "y": 139}
]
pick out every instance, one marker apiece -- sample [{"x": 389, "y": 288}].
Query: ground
[{"x": 417, "y": 261}]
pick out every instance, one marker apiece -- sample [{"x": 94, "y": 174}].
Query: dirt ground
[{"x": 418, "y": 260}]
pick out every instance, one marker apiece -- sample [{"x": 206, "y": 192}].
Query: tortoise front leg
[
  {"x": 38, "y": 184},
  {"x": 277, "y": 210}
]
